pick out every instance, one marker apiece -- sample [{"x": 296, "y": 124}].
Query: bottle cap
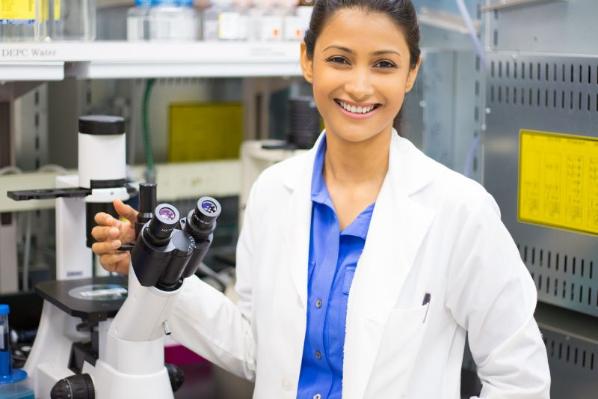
[
  {"x": 101, "y": 125},
  {"x": 4, "y": 310}
]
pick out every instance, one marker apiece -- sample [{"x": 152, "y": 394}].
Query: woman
[{"x": 363, "y": 264}]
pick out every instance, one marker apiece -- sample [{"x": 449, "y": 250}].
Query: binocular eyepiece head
[{"x": 165, "y": 219}]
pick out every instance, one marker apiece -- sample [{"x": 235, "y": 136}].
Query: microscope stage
[{"x": 93, "y": 299}]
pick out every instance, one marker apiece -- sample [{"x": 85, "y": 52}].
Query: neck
[{"x": 352, "y": 164}]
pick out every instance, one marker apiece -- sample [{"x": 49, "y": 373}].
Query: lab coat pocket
[{"x": 397, "y": 354}]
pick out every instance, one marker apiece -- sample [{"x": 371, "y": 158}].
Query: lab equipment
[
  {"x": 19, "y": 20},
  {"x": 297, "y": 22},
  {"x": 84, "y": 349},
  {"x": 71, "y": 19},
  {"x": 541, "y": 164},
  {"x": 168, "y": 250},
  {"x": 173, "y": 20},
  {"x": 138, "y": 20},
  {"x": 272, "y": 20},
  {"x": 13, "y": 384},
  {"x": 304, "y": 122},
  {"x": 80, "y": 197},
  {"x": 220, "y": 21}
]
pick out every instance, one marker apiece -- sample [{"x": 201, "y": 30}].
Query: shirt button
[
  {"x": 318, "y": 303},
  {"x": 317, "y": 396},
  {"x": 318, "y": 355}
]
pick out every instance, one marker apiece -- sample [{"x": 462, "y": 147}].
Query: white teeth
[{"x": 356, "y": 109}]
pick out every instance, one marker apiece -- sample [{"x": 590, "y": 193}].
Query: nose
[{"x": 359, "y": 85}]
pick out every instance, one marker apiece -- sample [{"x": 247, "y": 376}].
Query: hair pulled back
[{"x": 401, "y": 12}]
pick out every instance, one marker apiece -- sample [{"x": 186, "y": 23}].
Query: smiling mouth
[{"x": 357, "y": 109}]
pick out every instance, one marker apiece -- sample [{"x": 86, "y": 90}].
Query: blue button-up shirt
[{"x": 333, "y": 257}]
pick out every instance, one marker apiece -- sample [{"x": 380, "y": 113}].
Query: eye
[
  {"x": 337, "y": 59},
  {"x": 385, "y": 64}
]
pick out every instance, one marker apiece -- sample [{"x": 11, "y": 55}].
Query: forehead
[{"x": 358, "y": 28}]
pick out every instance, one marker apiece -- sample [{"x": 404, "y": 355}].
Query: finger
[
  {"x": 114, "y": 263},
  {"x": 105, "y": 219},
  {"x": 106, "y": 247},
  {"x": 125, "y": 211},
  {"x": 105, "y": 233}
]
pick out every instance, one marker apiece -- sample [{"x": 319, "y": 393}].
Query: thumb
[{"x": 125, "y": 211}]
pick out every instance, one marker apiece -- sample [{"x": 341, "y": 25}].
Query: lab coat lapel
[
  {"x": 397, "y": 229},
  {"x": 298, "y": 181}
]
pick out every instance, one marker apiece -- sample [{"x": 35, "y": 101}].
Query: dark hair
[{"x": 401, "y": 12}]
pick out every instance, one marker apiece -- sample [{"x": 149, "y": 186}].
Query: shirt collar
[
  {"x": 319, "y": 191},
  {"x": 319, "y": 194}
]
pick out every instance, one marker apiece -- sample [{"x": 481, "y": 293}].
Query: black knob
[
  {"x": 176, "y": 375},
  {"x": 78, "y": 386}
]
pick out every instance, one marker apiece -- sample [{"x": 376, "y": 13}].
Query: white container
[
  {"x": 138, "y": 20},
  {"x": 296, "y": 25},
  {"x": 173, "y": 20},
  {"x": 221, "y": 21},
  {"x": 272, "y": 21}
]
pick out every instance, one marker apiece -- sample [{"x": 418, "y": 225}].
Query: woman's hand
[{"x": 111, "y": 233}]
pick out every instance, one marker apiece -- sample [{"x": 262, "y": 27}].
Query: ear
[
  {"x": 307, "y": 64},
  {"x": 412, "y": 76}
]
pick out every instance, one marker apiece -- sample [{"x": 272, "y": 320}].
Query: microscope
[{"x": 100, "y": 338}]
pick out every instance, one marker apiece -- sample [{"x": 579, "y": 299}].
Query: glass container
[{"x": 72, "y": 19}]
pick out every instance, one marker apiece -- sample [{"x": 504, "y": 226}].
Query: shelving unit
[{"x": 123, "y": 60}]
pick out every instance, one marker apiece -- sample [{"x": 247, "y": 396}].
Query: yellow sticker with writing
[
  {"x": 17, "y": 9},
  {"x": 558, "y": 180}
]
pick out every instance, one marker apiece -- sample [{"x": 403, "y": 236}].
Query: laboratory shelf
[{"x": 42, "y": 61}]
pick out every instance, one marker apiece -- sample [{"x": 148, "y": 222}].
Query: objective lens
[{"x": 163, "y": 222}]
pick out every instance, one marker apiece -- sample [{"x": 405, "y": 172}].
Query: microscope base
[{"x": 112, "y": 384}]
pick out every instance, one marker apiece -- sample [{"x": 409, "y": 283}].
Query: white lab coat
[{"x": 432, "y": 231}]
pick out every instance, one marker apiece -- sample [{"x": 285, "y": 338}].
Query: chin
[{"x": 357, "y": 134}]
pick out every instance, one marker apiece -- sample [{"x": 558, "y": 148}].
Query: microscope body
[
  {"x": 89, "y": 348},
  {"x": 130, "y": 361}
]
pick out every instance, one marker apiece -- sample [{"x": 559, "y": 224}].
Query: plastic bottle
[
  {"x": 272, "y": 21},
  {"x": 210, "y": 21},
  {"x": 254, "y": 21},
  {"x": 242, "y": 8},
  {"x": 138, "y": 20},
  {"x": 173, "y": 20},
  {"x": 297, "y": 26},
  {"x": 13, "y": 382},
  {"x": 20, "y": 20}
]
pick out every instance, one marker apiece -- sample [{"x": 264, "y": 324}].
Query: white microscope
[{"x": 94, "y": 341}]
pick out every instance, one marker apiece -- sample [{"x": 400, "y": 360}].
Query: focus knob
[{"x": 78, "y": 386}]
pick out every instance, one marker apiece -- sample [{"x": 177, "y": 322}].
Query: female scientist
[{"x": 362, "y": 265}]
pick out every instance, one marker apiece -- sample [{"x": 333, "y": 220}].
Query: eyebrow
[{"x": 348, "y": 50}]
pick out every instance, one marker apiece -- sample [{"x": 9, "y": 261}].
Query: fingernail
[{"x": 116, "y": 244}]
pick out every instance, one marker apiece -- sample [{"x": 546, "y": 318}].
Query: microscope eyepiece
[
  {"x": 202, "y": 219},
  {"x": 164, "y": 220},
  {"x": 207, "y": 209}
]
